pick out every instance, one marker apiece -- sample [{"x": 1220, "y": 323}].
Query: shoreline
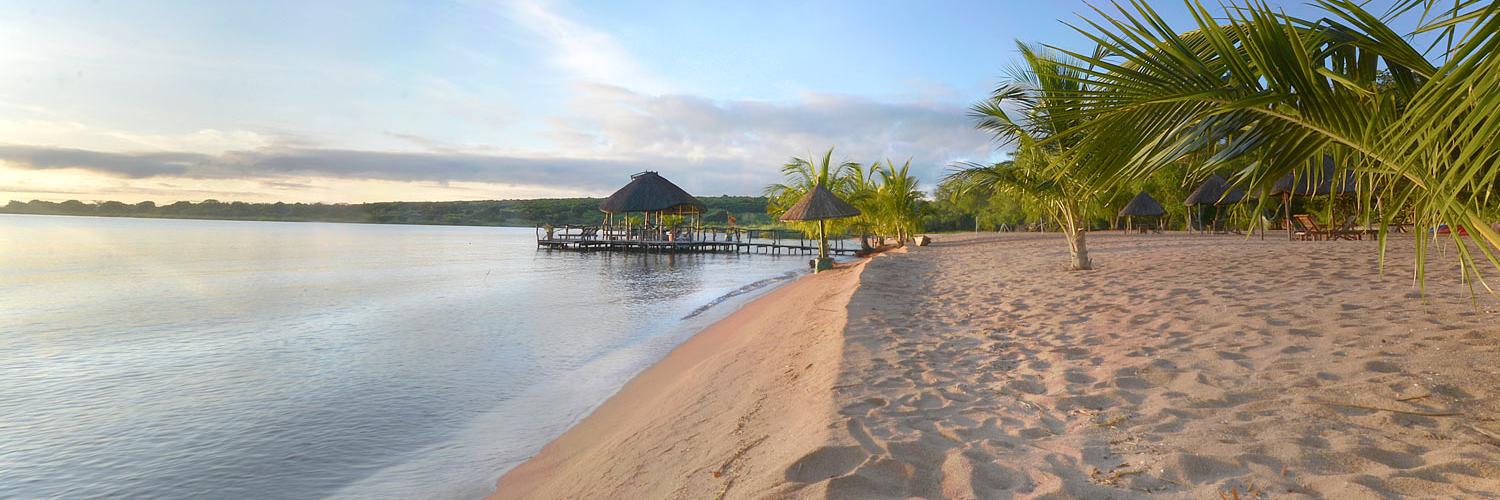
[
  {"x": 711, "y": 398},
  {"x": 755, "y": 227},
  {"x": 1188, "y": 366}
]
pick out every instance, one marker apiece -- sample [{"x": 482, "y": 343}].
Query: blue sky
[{"x": 364, "y": 101}]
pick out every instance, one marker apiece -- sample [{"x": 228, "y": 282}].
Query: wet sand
[
  {"x": 1184, "y": 366},
  {"x": 719, "y": 416}
]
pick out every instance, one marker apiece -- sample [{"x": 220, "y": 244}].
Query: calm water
[{"x": 194, "y": 359}]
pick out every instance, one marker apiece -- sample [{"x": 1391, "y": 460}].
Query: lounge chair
[
  {"x": 1348, "y": 231},
  {"x": 1307, "y": 229}
]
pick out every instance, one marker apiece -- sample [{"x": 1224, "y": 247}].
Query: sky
[{"x": 378, "y": 101}]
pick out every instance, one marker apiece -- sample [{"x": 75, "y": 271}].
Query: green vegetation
[
  {"x": 888, "y": 197},
  {"x": 1043, "y": 171},
  {"x": 1254, "y": 94},
  {"x": 1278, "y": 93},
  {"x": 749, "y": 210},
  {"x": 896, "y": 205}
]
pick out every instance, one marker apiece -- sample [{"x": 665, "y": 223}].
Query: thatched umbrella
[
  {"x": 1312, "y": 182},
  {"x": 1215, "y": 191},
  {"x": 1143, "y": 205},
  {"x": 820, "y": 204},
  {"x": 648, "y": 192},
  {"x": 1316, "y": 182}
]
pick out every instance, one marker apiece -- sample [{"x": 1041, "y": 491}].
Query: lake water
[{"x": 220, "y": 359}]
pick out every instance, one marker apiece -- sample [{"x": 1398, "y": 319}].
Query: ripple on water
[{"x": 185, "y": 359}]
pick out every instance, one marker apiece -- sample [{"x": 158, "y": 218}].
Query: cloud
[
  {"x": 132, "y": 165},
  {"x": 759, "y": 135},
  {"x": 273, "y": 162},
  {"x": 589, "y": 54},
  {"x": 451, "y": 128},
  {"x": 708, "y": 146}
]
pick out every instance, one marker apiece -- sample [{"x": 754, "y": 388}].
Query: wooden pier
[{"x": 684, "y": 240}]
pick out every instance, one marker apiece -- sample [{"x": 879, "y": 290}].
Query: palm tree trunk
[
  {"x": 1078, "y": 248},
  {"x": 1077, "y": 238},
  {"x": 822, "y": 240}
]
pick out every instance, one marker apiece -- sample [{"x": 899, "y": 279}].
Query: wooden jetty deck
[{"x": 684, "y": 240}]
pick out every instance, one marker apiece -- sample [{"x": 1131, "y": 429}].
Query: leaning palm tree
[
  {"x": 1046, "y": 166},
  {"x": 1282, "y": 93},
  {"x": 1030, "y": 180}
]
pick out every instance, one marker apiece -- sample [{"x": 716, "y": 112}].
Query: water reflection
[{"x": 183, "y": 359}]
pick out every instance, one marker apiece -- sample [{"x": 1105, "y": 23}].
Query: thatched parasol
[
  {"x": 1143, "y": 205},
  {"x": 1312, "y": 182},
  {"x": 1316, "y": 182},
  {"x": 1215, "y": 191},
  {"x": 820, "y": 204}
]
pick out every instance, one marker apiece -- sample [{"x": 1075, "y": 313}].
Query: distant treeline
[{"x": 748, "y": 210}]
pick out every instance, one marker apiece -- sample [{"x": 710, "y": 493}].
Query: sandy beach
[{"x": 1183, "y": 366}]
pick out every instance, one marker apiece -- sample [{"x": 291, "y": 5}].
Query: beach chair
[
  {"x": 1347, "y": 231},
  {"x": 1306, "y": 228}
]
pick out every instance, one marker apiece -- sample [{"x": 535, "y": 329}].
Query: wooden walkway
[
  {"x": 689, "y": 247},
  {"x": 698, "y": 240}
]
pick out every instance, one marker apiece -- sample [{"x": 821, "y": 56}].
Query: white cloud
[
  {"x": 619, "y": 118},
  {"x": 754, "y": 137},
  {"x": 588, "y": 54},
  {"x": 67, "y": 133}
]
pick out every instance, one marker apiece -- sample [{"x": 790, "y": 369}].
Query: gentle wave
[
  {"x": 186, "y": 359},
  {"x": 741, "y": 291}
]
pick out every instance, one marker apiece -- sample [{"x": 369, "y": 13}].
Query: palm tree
[
  {"x": 1030, "y": 180},
  {"x": 1045, "y": 168},
  {"x": 859, "y": 188},
  {"x": 887, "y": 196},
  {"x": 896, "y": 200},
  {"x": 845, "y": 178},
  {"x": 801, "y": 175},
  {"x": 1281, "y": 92}
]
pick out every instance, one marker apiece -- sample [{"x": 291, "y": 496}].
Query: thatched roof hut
[
  {"x": 1313, "y": 182},
  {"x": 1143, "y": 205},
  {"x": 650, "y": 192},
  {"x": 819, "y": 204},
  {"x": 1214, "y": 191}
]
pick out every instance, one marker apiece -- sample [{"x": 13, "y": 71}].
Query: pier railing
[{"x": 684, "y": 238}]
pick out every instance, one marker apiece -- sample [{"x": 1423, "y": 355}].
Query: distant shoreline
[
  {"x": 169, "y": 217},
  {"x": 747, "y": 210}
]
